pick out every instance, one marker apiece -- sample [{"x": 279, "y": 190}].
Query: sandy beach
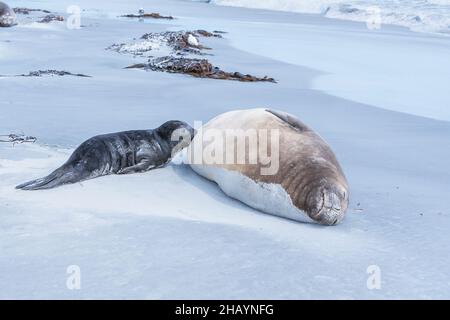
[{"x": 380, "y": 98}]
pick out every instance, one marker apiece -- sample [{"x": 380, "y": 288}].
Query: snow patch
[
  {"x": 142, "y": 47},
  {"x": 193, "y": 41}
]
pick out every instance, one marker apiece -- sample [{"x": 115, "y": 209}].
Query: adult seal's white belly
[{"x": 296, "y": 174}]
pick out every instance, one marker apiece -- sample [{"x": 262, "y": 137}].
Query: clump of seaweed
[
  {"x": 28, "y": 10},
  {"x": 200, "y": 68},
  {"x": 17, "y": 138},
  {"x": 40, "y": 73},
  {"x": 51, "y": 17},
  {"x": 143, "y": 15},
  {"x": 172, "y": 52}
]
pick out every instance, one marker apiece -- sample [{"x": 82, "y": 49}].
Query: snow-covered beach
[{"x": 379, "y": 97}]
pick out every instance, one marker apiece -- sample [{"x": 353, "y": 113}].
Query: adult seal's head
[
  {"x": 7, "y": 16},
  {"x": 275, "y": 164}
]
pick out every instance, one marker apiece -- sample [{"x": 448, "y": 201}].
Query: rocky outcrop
[
  {"x": 175, "y": 51},
  {"x": 173, "y": 42}
]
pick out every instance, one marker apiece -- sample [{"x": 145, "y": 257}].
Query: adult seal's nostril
[
  {"x": 332, "y": 207},
  {"x": 7, "y": 16}
]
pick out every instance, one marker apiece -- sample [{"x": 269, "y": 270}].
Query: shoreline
[
  {"x": 357, "y": 12},
  {"x": 361, "y": 59}
]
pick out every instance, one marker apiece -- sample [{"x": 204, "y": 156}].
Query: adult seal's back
[
  {"x": 118, "y": 153},
  {"x": 7, "y": 16},
  {"x": 299, "y": 176}
]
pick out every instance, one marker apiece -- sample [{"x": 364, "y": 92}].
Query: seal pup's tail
[{"x": 57, "y": 178}]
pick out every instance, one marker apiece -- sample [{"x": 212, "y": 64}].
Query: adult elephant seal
[
  {"x": 300, "y": 179},
  {"x": 118, "y": 153},
  {"x": 7, "y": 16}
]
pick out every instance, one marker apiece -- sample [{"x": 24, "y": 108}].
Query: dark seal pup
[
  {"x": 7, "y": 16},
  {"x": 118, "y": 153}
]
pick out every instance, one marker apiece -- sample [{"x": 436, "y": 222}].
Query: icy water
[{"x": 418, "y": 15}]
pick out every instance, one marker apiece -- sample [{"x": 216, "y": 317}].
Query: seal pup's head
[{"x": 177, "y": 133}]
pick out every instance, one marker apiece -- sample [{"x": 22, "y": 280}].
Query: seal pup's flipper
[
  {"x": 146, "y": 164},
  {"x": 56, "y": 178},
  {"x": 140, "y": 167},
  {"x": 36, "y": 183}
]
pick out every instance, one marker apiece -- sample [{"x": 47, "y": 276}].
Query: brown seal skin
[{"x": 308, "y": 169}]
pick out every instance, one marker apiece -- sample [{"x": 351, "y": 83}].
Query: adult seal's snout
[
  {"x": 327, "y": 206},
  {"x": 7, "y": 16}
]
